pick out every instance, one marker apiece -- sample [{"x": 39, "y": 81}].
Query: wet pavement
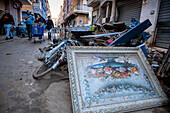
[{"x": 20, "y": 93}]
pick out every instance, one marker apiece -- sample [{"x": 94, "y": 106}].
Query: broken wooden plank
[{"x": 164, "y": 69}]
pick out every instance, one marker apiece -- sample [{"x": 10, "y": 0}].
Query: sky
[{"x": 55, "y": 7}]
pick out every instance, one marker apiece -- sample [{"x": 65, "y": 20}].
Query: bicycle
[{"x": 54, "y": 55}]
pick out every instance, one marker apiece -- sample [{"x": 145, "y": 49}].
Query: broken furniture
[
  {"x": 99, "y": 40},
  {"x": 131, "y": 34}
]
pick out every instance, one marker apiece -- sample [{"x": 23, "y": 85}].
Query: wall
[
  {"x": 152, "y": 6},
  {"x": 55, "y": 21},
  {"x": 61, "y": 17},
  {"x": 90, "y": 16},
  {"x": 95, "y": 13},
  {"x": 2, "y": 7},
  {"x": 48, "y": 11},
  {"x": 27, "y": 7},
  {"x": 16, "y": 13},
  {"x": 84, "y": 19}
]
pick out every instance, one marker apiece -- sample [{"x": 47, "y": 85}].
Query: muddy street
[{"x": 19, "y": 92}]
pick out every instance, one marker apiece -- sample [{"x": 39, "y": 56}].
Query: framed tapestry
[{"x": 112, "y": 79}]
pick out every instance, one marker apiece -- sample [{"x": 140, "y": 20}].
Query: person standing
[
  {"x": 49, "y": 26},
  {"x": 29, "y": 22},
  {"x": 8, "y": 22},
  {"x": 38, "y": 20}
]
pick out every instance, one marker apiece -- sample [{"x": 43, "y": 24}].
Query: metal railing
[
  {"x": 92, "y": 1},
  {"x": 83, "y": 7}
]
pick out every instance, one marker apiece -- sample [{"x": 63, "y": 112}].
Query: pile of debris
[
  {"x": 155, "y": 58},
  {"x": 122, "y": 35},
  {"x": 160, "y": 63},
  {"x": 113, "y": 34}
]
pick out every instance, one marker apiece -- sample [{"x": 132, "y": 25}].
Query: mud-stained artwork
[
  {"x": 119, "y": 81},
  {"x": 113, "y": 79}
]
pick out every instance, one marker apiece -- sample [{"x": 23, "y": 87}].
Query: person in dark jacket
[
  {"x": 49, "y": 26},
  {"x": 8, "y": 22}
]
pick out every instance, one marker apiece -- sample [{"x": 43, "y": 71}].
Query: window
[{"x": 71, "y": 4}]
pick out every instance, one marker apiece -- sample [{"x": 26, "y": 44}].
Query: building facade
[
  {"x": 74, "y": 13},
  {"x": 48, "y": 9},
  {"x": 14, "y": 7},
  {"x": 61, "y": 16},
  {"x": 25, "y": 8},
  {"x": 39, "y": 7},
  {"x": 55, "y": 21},
  {"x": 157, "y": 11}
]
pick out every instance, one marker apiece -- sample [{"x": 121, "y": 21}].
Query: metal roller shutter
[
  {"x": 163, "y": 25},
  {"x": 128, "y": 9}
]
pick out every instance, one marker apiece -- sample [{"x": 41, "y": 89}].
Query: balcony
[
  {"x": 93, "y": 3},
  {"x": 36, "y": 7},
  {"x": 103, "y": 3},
  {"x": 82, "y": 9},
  {"x": 39, "y": 9},
  {"x": 26, "y": 2},
  {"x": 78, "y": 10}
]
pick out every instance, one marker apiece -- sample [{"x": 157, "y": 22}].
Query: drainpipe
[
  {"x": 107, "y": 10},
  {"x": 112, "y": 19},
  {"x": 100, "y": 13}
]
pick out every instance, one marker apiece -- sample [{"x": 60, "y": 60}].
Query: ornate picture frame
[{"x": 112, "y": 79}]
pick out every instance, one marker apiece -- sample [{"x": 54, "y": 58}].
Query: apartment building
[
  {"x": 40, "y": 7},
  {"x": 61, "y": 16},
  {"x": 75, "y": 13},
  {"x": 55, "y": 21},
  {"x": 157, "y": 11},
  {"x": 48, "y": 9}
]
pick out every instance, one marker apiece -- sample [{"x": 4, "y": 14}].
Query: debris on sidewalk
[
  {"x": 100, "y": 39},
  {"x": 160, "y": 63},
  {"x": 112, "y": 34},
  {"x": 155, "y": 58},
  {"x": 113, "y": 27},
  {"x": 136, "y": 32},
  {"x": 165, "y": 66}
]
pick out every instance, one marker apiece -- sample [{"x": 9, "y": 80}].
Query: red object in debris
[
  {"x": 60, "y": 60},
  {"x": 110, "y": 41}
]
